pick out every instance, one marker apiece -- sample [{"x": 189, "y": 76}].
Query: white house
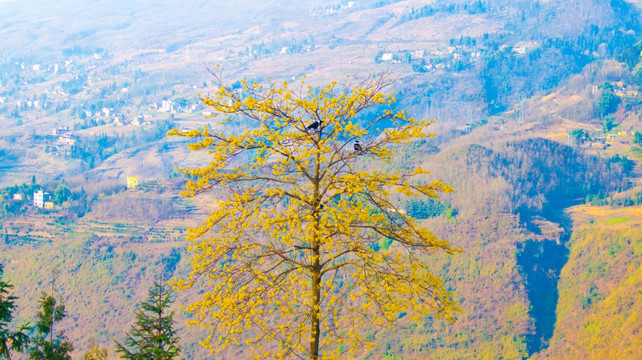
[
  {"x": 167, "y": 106},
  {"x": 39, "y": 199},
  {"x": 67, "y": 138}
]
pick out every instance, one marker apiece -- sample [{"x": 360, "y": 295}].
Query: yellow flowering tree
[{"x": 307, "y": 249}]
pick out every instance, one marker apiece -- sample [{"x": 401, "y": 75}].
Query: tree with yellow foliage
[{"x": 308, "y": 248}]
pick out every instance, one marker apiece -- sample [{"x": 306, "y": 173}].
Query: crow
[{"x": 313, "y": 126}]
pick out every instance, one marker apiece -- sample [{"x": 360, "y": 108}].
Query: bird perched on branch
[
  {"x": 357, "y": 146},
  {"x": 315, "y": 125}
]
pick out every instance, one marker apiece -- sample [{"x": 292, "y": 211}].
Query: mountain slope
[{"x": 601, "y": 287}]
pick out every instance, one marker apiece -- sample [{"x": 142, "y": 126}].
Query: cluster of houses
[
  {"x": 620, "y": 89},
  {"x": 614, "y": 136},
  {"x": 64, "y": 135},
  {"x": 139, "y": 120},
  {"x": 44, "y": 200},
  {"x": 54, "y": 68},
  {"x": 40, "y": 102},
  {"x": 440, "y": 58},
  {"x": 169, "y": 106},
  {"x": 600, "y": 141},
  {"x": 109, "y": 116},
  {"x": 57, "y": 92},
  {"x": 435, "y": 59},
  {"x": 333, "y": 9},
  {"x": 41, "y": 199},
  {"x": 523, "y": 47},
  {"x": 38, "y": 70}
]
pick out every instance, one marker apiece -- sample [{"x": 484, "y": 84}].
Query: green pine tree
[
  {"x": 9, "y": 340},
  {"x": 47, "y": 344},
  {"x": 153, "y": 336},
  {"x": 95, "y": 352}
]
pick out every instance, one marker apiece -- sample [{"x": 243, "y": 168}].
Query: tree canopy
[
  {"x": 308, "y": 247},
  {"x": 153, "y": 336},
  {"x": 47, "y": 344},
  {"x": 9, "y": 340}
]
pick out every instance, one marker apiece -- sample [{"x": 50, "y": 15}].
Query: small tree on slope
[
  {"x": 47, "y": 344},
  {"x": 9, "y": 340},
  {"x": 153, "y": 335}
]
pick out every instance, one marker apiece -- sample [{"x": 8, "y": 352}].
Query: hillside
[
  {"x": 506, "y": 223},
  {"x": 102, "y": 75},
  {"x": 600, "y": 287},
  {"x": 537, "y": 106}
]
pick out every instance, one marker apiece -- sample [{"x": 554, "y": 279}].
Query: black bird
[
  {"x": 313, "y": 126},
  {"x": 357, "y": 146}
]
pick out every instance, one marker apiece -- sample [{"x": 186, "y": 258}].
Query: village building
[
  {"x": 40, "y": 197},
  {"x": 386, "y": 57},
  {"x": 60, "y": 130},
  {"x": 167, "y": 106},
  {"x": 67, "y": 139},
  {"x": 522, "y": 47},
  {"x": 132, "y": 182},
  {"x": 138, "y": 121}
]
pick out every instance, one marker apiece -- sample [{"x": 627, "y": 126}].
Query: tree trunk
[
  {"x": 316, "y": 299},
  {"x": 315, "y": 320}
]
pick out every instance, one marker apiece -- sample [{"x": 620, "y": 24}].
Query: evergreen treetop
[
  {"x": 49, "y": 345},
  {"x": 153, "y": 335},
  {"x": 9, "y": 340}
]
